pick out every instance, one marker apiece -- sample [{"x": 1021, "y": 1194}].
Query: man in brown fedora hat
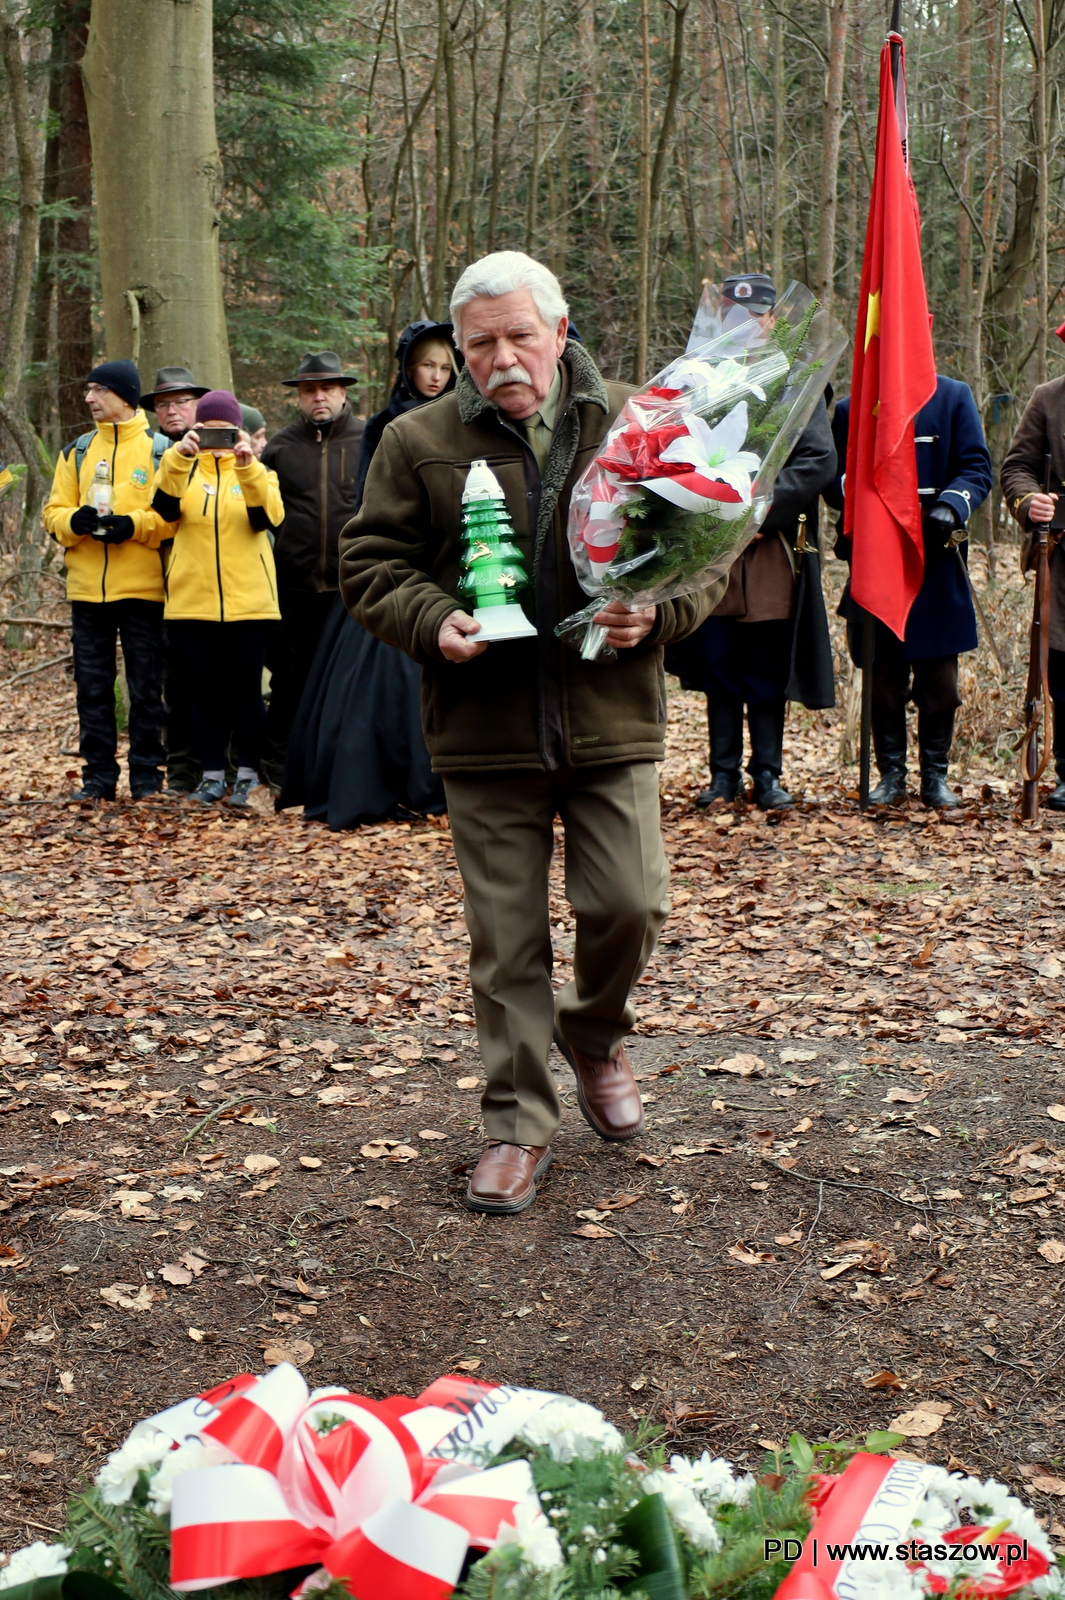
[
  {"x": 174, "y": 400},
  {"x": 316, "y": 459}
]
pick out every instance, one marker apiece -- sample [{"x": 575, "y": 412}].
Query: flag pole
[{"x": 865, "y": 741}]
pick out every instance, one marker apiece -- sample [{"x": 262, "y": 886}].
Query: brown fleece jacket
[{"x": 523, "y": 703}]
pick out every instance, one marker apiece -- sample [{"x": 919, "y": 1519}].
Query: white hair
[{"x": 503, "y": 272}]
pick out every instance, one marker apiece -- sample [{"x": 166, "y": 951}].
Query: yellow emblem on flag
[{"x": 872, "y": 318}]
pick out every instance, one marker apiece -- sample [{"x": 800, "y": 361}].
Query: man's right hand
[
  {"x": 1041, "y": 508},
  {"x": 85, "y": 522},
  {"x": 455, "y": 639},
  {"x": 190, "y": 444}
]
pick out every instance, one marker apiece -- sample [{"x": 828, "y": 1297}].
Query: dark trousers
[
  {"x": 221, "y": 668},
  {"x": 95, "y": 630},
  {"x": 932, "y": 684},
  {"x": 182, "y": 762},
  {"x": 303, "y": 617}
]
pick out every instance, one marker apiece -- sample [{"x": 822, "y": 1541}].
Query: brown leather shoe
[
  {"x": 504, "y": 1180},
  {"x": 606, "y": 1092}
]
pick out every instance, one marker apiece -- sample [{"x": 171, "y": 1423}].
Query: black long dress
[{"x": 356, "y": 753}]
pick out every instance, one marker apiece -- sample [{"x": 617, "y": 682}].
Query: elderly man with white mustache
[{"x": 527, "y": 731}]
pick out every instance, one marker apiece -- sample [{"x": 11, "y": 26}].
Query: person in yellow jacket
[
  {"x": 114, "y": 574},
  {"x": 221, "y": 590}
]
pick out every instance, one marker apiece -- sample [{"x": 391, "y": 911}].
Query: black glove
[
  {"x": 944, "y": 519},
  {"x": 116, "y": 529},
  {"x": 84, "y": 521}
]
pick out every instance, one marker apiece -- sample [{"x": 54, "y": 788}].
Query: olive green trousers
[{"x": 616, "y": 881}]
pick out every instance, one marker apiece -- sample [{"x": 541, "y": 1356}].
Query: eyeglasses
[
  {"x": 169, "y": 402},
  {"x": 96, "y": 388}
]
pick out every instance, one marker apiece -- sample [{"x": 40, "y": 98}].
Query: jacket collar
[
  {"x": 322, "y": 430},
  {"x": 586, "y": 386},
  {"x": 123, "y": 431}
]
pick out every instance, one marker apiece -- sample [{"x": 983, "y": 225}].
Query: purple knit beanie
[{"x": 218, "y": 405}]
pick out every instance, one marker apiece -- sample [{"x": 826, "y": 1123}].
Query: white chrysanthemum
[
  {"x": 712, "y": 1479},
  {"x": 571, "y": 1431},
  {"x": 1052, "y": 1584},
  {"x": 186, "y": 1458},
  {"x": 685, "y": 1508},
  {"x": 889, "y": 1580},
  {"x": 37, "y": 1560},
  {"x": 535, "y": 1535},
  {"x": 117, "y": 1478}
]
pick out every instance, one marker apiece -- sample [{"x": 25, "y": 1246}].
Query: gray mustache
[{"x": 511, "y": 375}]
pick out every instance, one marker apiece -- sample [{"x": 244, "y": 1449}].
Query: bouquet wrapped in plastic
[{"x": 685, "y": 477}]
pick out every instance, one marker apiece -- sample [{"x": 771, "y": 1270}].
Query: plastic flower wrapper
[{"x": 685, "y": 477}]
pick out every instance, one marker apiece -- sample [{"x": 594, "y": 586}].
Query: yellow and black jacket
[
  {"x": 221, "y": 566},
  {"x": 98, "y": 571}
]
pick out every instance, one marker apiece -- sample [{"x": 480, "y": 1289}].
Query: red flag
[{"x": 894, "y": 376}]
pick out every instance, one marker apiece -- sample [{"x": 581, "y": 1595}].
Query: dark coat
[
  {"x": 404, "y": 396},
  {"x": 1041, "y": 433},
  {"x": 805, "y": 658},
  {"x": 954, "y": 469},
  {"x": 316, "y": 469},
  {"x": 526, "y": 703}
]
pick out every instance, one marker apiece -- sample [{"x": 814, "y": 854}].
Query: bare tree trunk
[
  {"x": 533, "y": 196},
  {"x": 497, "y": 124},
  {"x": 825, "y": 277},
  {"x": 408, "y": 156},
  {"x": 447, "y": 154},
  {"x": 1042, "y": 188},
  {"x": 12, "y": 412},
  {"x": 964, "y": 87},
  {"x": 665, "y": 134},
  {"x": 149, "y": 86},
  {"x": 593, "y": 154},
  {"x": 74, "y": 335},
  {"x": 39, "y": 407},
  {"x": 776, "y": 266},
  {"x": 643, "y": 211},
  {"x": 475, "y": 137}
]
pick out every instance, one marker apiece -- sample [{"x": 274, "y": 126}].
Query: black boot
[
  {"x": 1056, "y": 797},
  {"x": 935, "y": 732},
  {"x": 724, "y": 715},
  {"x": 766, "y": 725},
  {"x": 889, "y": 742}
]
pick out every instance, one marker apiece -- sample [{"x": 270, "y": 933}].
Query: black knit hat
[{"x": 121, "y": 377}]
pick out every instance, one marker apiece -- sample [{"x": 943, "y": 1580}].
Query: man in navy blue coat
[{"x": 954, "y": 477}]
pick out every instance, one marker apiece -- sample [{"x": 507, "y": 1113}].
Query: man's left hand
[
  {"x": 243, "y": 453},
  {"x": 116, "y": 529},
  {"x": 624, "y": 627}
]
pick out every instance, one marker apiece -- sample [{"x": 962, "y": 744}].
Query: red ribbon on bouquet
[
  {"x": 873, "y": 1502},
  {"x": 636, "y": 453},
  {"x": 385, "y": 1495}
]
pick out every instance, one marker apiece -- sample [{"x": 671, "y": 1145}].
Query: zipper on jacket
[
  {"x": 107, "y": 547},
  {"x": 324, "y": 497},
  {"x": 217, "y": 546},
  {"x": 266, "y": 575}
]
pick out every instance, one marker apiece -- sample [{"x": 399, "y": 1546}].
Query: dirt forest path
[{"x": 239, "y": 1095}]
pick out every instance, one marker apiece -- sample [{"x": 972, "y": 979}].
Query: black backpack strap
[{"x": 79, "y": 447}]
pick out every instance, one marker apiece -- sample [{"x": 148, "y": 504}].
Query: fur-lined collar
[{"x": 585, "y": 385}]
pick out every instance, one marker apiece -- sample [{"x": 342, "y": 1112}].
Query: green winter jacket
[{"x": 521, "y": 703}]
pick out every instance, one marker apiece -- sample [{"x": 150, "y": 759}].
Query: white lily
[
  {"x": 712, "y": 378},
  {"x": 717, "y": 458}
]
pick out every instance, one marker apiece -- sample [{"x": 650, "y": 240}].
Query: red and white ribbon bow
[{"x": 386, "y": 1495}]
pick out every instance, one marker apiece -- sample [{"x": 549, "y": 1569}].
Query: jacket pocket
[{"x": 269, "y": 580}]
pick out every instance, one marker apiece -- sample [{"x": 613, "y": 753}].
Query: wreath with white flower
[{"x": 609, "y": 1515}]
